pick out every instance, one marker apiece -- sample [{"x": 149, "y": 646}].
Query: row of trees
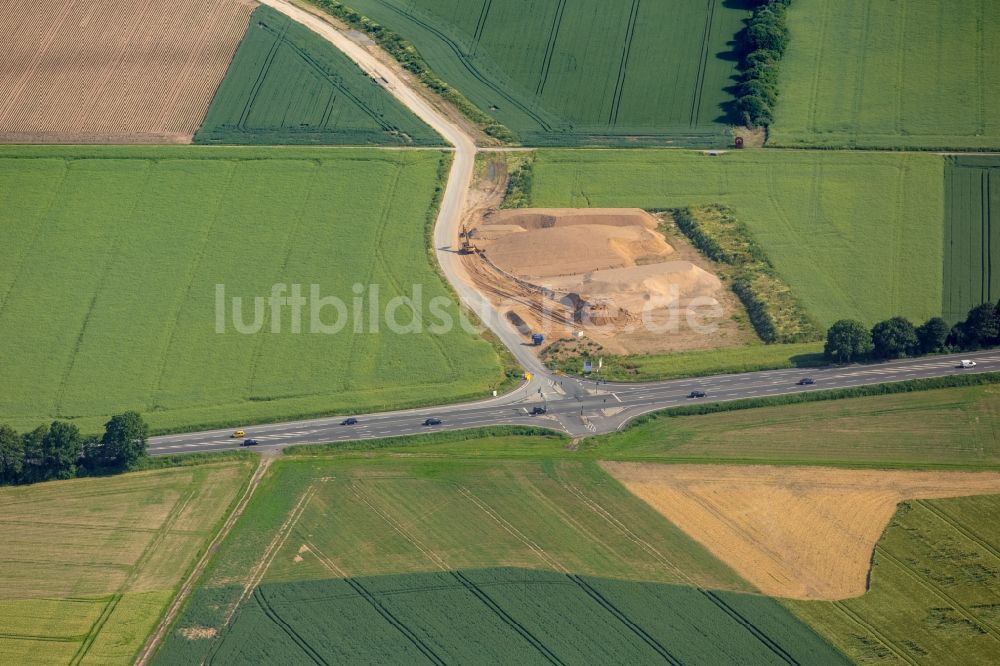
[
  {"x": 850, "y": 340},
  {"x": 60, "y": 451},
  {"x": 763, "y": 44}
]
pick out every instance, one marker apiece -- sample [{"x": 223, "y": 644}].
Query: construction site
[{"x": 620, "y": 279}]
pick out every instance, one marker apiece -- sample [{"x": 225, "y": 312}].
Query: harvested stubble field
[
  {"x": 586, "y": 72},
  {"x": 935, "y": 590},
  {"x": 88, "y": 566},
  {"x": 109, "y": 267},
  {"x": 288, "y": 85},
  {"x": 105, "y": 71},
  {"x": 854, "y": 235},
  {"x": 411, "y": 559},
  {"x": 972, "y": 192},
  {"x": 794, "y": 532},
  {"x": 876, "y": 74}
]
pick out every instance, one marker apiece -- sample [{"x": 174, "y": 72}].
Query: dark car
[
  {"x": 250, "y": 442},
  {"x": 349, "y": 421},
  {"x": 535, "y": 411},
  {"x": 696, "y": 394},
  {"x": 806, "y": 381},
  {"x": 432, "y": 421}
]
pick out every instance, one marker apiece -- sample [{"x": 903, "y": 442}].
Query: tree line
[
  {"x": 849, "y": 340},
  {"x": 762, "y": 44},
  {"x": 60, "y": 451}
]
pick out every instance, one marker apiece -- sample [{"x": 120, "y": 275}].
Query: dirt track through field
[
  {"x": 110, "y": 71},
  {"x": 797, "y": 532}
]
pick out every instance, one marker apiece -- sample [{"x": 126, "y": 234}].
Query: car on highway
[
  {"x": 535, "y": 411},
  {"x": 696, "y": 394},
  {"x": 250, "y": 442},
  {"x": 238, "y": 434},
  {"x": 349, "y": 421},
  {"x": 432, "y": 421},
  {"x": 806, "y": 381},
  {"x": 967, "y": 364}
]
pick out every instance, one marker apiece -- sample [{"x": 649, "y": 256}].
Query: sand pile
[{"x": 614, "y": 260}]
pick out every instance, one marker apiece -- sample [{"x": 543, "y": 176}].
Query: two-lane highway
[{"x": 578, "y": 407}]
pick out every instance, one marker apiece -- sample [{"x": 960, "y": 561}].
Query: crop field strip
[
  {"x": 61, "y": 194},
  {"x": 571, "y": 73},
  {"x": 971, "y": 239},
  {"x": 320, "y": 601},
  {"x": 287, "y": 85},
  {"x": 123, "y": 546},
  {"x": 166, "y": 73},
  {"x": 890, "y": 75},
  {"x": 934, "y": 594}
]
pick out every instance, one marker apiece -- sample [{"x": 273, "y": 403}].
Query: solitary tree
[
  {"x": 124, "y": 439},
  {"x": 895, "y": 338},
  {"x": 848, "y": 340},
  {"x": 61, "y": 450},
  {"x": 11, "y": 455},
  {"x": 933, "y": 335}
]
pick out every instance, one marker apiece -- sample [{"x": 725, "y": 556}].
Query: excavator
[{"x": 468, "y": 247}]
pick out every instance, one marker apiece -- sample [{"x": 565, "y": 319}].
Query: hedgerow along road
[{"x": 577, "y": 407}]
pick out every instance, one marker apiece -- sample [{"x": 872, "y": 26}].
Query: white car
[{"x": 968, "y": 364}]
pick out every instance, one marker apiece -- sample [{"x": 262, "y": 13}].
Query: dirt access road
[{"x": 454, "y": 202}]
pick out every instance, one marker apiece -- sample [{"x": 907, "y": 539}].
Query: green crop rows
[
  {"x": 110, "y": 262},
  {"x": 287, "y": 85},
  {"x": 582, "y": 72},
  {"x": 935, "y": 593},
  {"x": 854, "y": 234},
  {"x": 877, "y": 74},
  {"x": 477, "y": 560},
  {"x": 972, "y": 243}
]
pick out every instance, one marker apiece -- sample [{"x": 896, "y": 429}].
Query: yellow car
[{"x": 237, "y": 434}]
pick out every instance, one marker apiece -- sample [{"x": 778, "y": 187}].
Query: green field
[
  {"x": 941, "y": 428},
  {"x": 89, "y": 566},
  {"x": 287, "y": 85},
  {"x": 110, "y": 262},
  {"x": 392, "y": 559},
  {"x": 972, "y": 195},
  {"x": 586, "y": 72},
  {"x": 935, "y": 592},
  {"x": 907, "y": 74},
  {"x": 856, "y": 235}
]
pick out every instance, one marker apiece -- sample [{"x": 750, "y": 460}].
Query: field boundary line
[
  {"x": 195, "y": 264},
  {"x": 498, "y": 610},
  {"x": 616, "y": 99},
  {"x": 268, "y": 610},
  {"x": 261, "y": 74},
  {"x": 481, "y": 25},
  {"x": 153, "y": 642},
  {"x": 619, "y": 615},
  {"x": 753, "y": 629},
  {"x": 379, "y": 607},
  {"x": 938, "y": 592},
  {"x": 550, "y": 46},
  {"x": 510, "y": 528},
  {"x": 395, "y": 524},
  {"x": 472, "y": 69},
  {"x": 703, "y": 62},
  {"x": 889, "y": 644},
  {"x": 109, "y": 261},
  {"x": 95, "y": 629}
]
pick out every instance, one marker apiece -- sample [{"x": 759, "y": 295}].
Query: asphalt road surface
[{"x": 575, "y": 407}]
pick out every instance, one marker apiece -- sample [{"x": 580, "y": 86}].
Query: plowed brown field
[
  {"x": 797, "y": 532},
  {"x": 102, "y": 71}
]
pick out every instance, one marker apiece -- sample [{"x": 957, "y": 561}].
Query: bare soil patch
[
  {"x": 609, "y": 274},
  {"x": 796, "y": 532},
  {"x": 108, "y": 71}
]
